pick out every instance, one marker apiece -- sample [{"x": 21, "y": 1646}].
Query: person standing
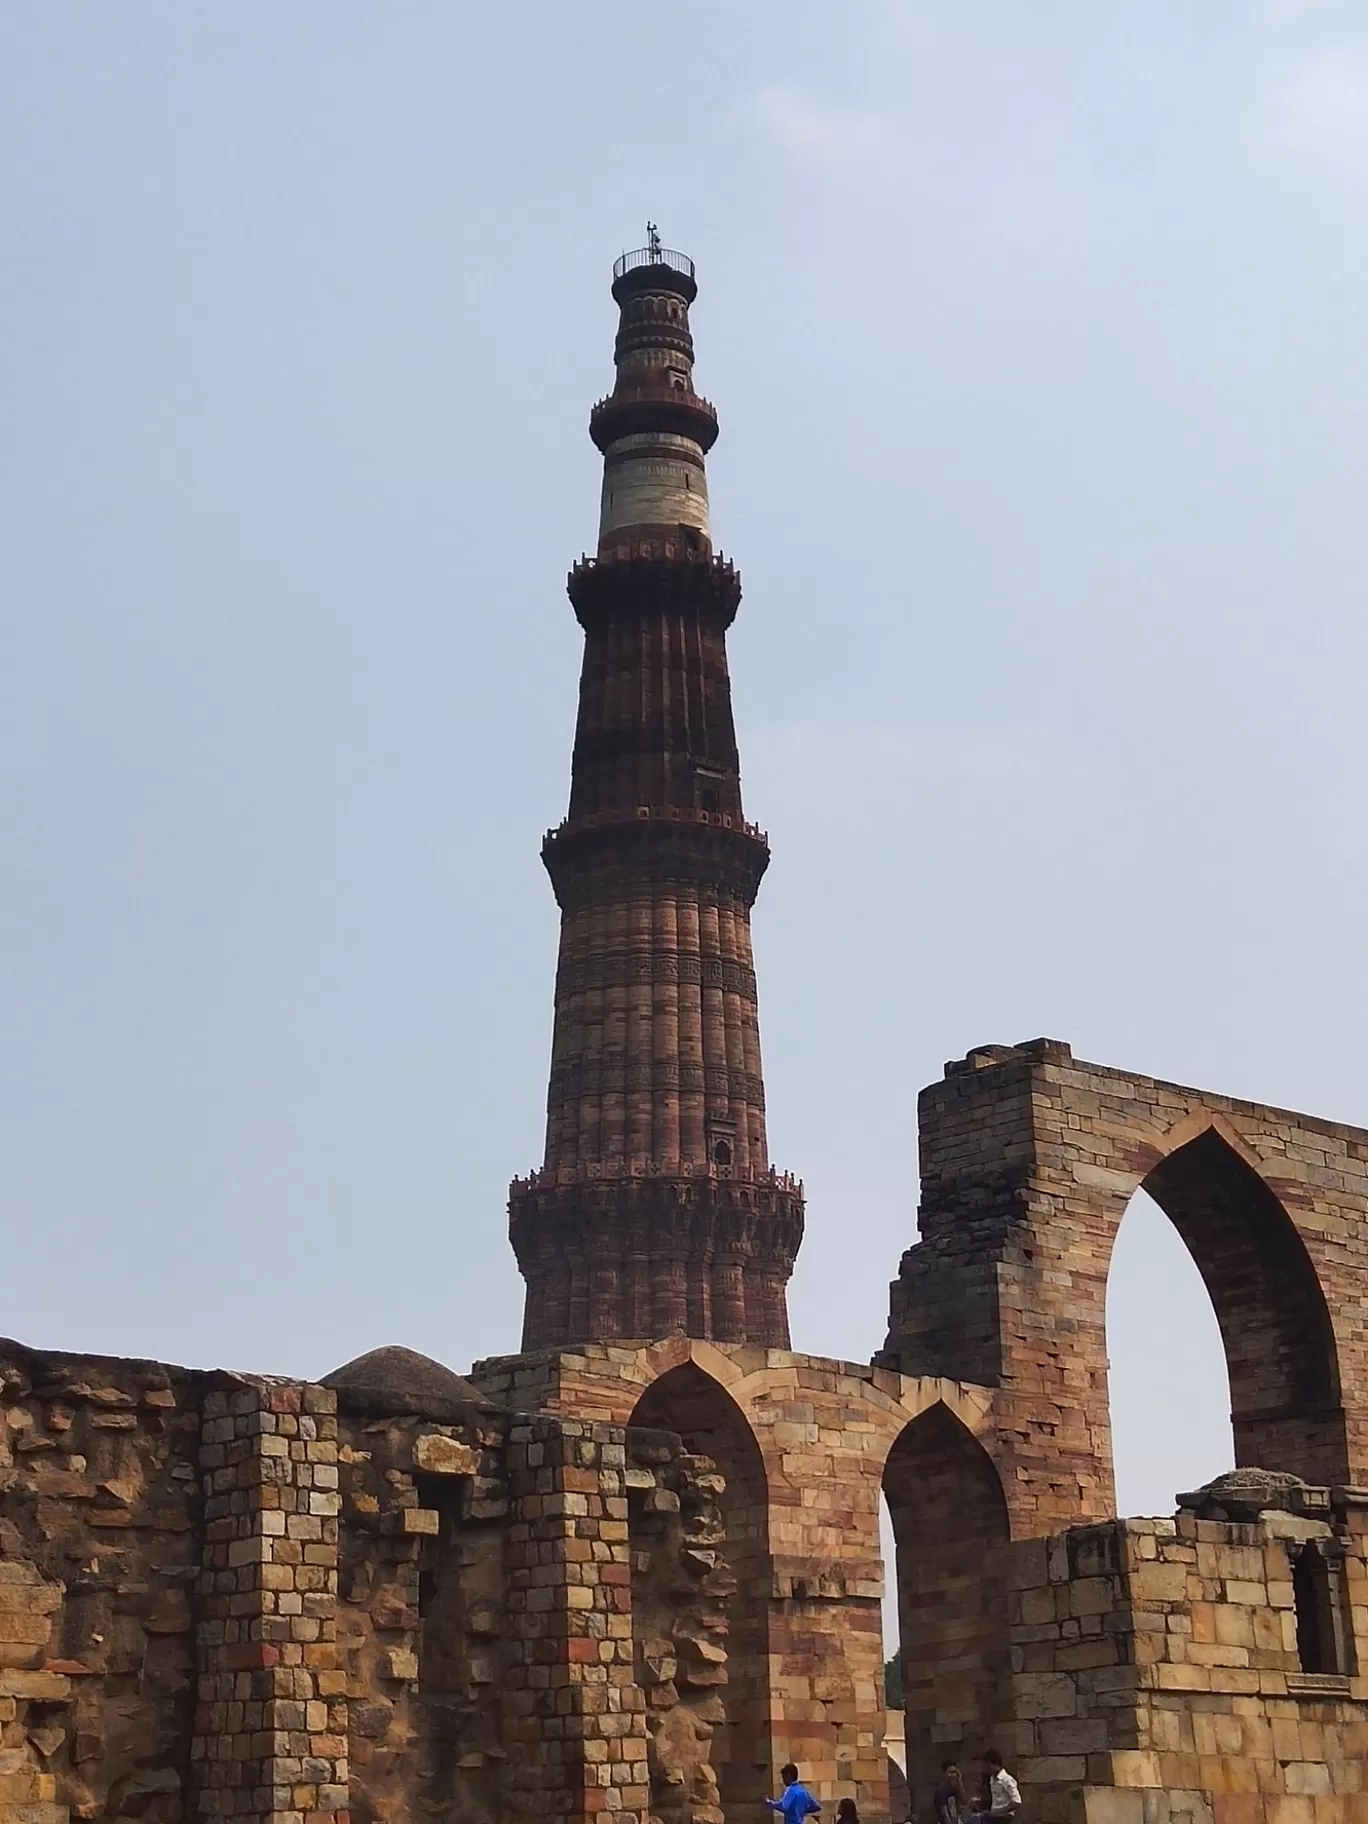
[
  {"x": 796, "y": 1802},
  {"x": 1004, "y": 1795},
  {"x": 948, "y": 1797}
]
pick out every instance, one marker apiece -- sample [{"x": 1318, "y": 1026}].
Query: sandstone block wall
[
  {"x": 220, "y": 1597},
  {"x": 805, "y": 1446},
  {"x": 100, "y": 1529},
  {"x": 423, "y": 1620},
  {"x": 1157, "y": 1673},
  {"x": 637, "y": 1577},
  {"x": 1029, "y": 1158}
]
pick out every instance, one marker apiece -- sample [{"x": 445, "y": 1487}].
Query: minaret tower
[{"x": 656, "y": 1210}]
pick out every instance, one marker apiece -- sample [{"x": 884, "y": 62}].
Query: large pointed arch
[
  {"x": 688, "y": 1401},
  {"x": 1269, "y": 1304},
  {"x": 951, "y": 1528},
  {"x": 1168, "y": 1385}
]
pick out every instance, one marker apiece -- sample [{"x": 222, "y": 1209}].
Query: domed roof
[
  {"x": 1243, "y": 1494},
  {"x": 393, "y": 1380}
]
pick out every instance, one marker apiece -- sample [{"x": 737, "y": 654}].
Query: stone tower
[{"x": 656, "y": 1210}]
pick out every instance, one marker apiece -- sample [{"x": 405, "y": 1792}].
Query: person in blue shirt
[{"x": 797, "y": 1802}]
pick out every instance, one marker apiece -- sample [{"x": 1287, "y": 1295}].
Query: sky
[{"x": 1037, "y": 339}]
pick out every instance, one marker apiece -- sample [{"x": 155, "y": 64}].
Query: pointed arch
[
  {"x": 1269, "y": 1304},
  {"x": 951, "y": 1528},
  {"x": 1168, "y": 1406},
  {"x": 688, "y": 1401}
]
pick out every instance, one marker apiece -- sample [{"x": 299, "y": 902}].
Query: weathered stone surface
[{"x": 439, "y": 1455}]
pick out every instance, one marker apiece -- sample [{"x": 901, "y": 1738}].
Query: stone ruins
[{"x": 635, "y": 1567}]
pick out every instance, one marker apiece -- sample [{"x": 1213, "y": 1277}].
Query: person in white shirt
[{"x": 1004, "y": 1795}]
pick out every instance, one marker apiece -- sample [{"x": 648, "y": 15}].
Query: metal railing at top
[{"x": 653, "y": 256}]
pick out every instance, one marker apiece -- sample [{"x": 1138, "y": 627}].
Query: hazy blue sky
[{"x": 1037, "y": 334}]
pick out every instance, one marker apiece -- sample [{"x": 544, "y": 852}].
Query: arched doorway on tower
[
  {"x": 698, "y": 1409},
  {"x": 950, "y": 1531}
]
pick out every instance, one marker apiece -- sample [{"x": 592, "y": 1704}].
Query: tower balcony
[
  {"x": 630, "y": 410},
  {"x": 654, "y": 268},
  {"x": 646, "y": 813},
  {"x": 608, "y": 1171},
  {"x": 655, "y": 576},
  {"x": 601, "y": 851},
  {"x": 653, "y": 256}
]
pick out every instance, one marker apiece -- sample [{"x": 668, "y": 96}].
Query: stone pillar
[
  {"x": 270, "y": 1740},
  {"x": 574, "y": 1717}
]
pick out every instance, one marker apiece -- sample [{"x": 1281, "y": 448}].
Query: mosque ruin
[{"x": 635, "y": 1567}]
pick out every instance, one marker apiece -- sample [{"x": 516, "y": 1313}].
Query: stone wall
[
  {"x": 100, "y": 1530},
  {"x": 242, "y": 1598},
  {"x": 1029, "y": 1159},
  {"x": 805, "y": 1446},
  {"x": 1157, "y": 1672},
  {"x": 638, "y": 1577},
  {"x": 423, "y": 1614}
]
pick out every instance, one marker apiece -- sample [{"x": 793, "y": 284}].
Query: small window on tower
[
  {"x": 707, "y": 800},
  {"x": 722, "y": 1152}
]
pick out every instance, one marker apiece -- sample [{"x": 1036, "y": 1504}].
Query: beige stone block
[
  {"x": 1233, "y": 1626},
  {"x": 1254, "y": 1595},
  {"x": 1135, "y": 1767},
  {"x": 44, "y": 1687},
  {"x": 1289, "y": 1808},
  {"x": 1152, "y": 1583},
  {"x": 1267, "y": 1629},
  {"x": 1203, "y": 1618},
  {"x": 1200, "y": 1653},
  {"x": 1310, "y": 1777},
  {"x": 1212, "y": 1772},
  {"x": 1113, "y": 1805},
  {"x": 425, "y": 1522},
  {"x": 1204, "y": 1736},
  {"x": 1179, "y": 1770},
  {"x": 1287, "y": 1738}
]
